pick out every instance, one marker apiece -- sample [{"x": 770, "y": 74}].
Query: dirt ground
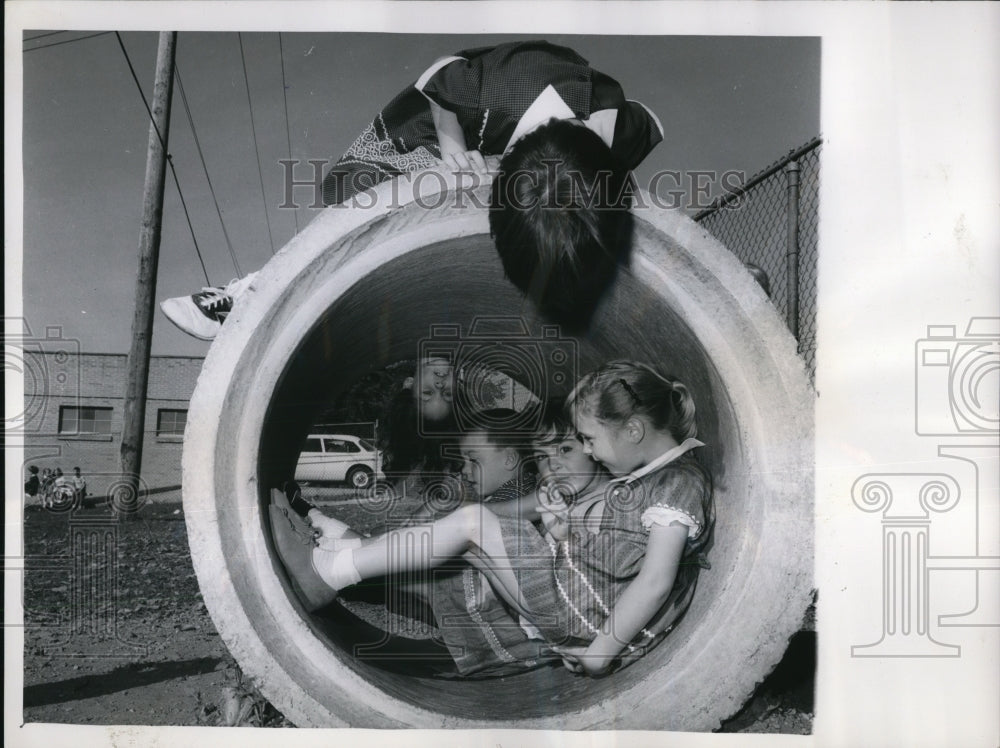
[{"x": 116, "y": 633}]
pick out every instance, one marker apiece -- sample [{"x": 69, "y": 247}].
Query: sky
[{"x": 726, "y": 103}]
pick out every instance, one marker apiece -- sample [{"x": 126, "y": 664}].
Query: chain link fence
[{"x": 772, "y": 223}]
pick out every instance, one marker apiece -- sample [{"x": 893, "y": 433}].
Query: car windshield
[{"x": 366, "y": 444}]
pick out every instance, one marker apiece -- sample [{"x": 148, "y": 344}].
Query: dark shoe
[
  {"x": 293, "y": 493},
  {"x": 300, "y": 525}
]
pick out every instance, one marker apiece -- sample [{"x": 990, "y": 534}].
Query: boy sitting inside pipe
[{"x": 482, "y": 634}]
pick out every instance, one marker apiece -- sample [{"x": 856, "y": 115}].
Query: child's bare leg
[
  {"x": 321, "y": 571},
  {"x": 472, "y": 532},
  {"x": 421, "y": 546}
]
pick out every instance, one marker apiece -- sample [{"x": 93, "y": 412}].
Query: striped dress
[{"x": 569, "y": 588}]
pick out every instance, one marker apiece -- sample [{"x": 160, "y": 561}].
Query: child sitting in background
[
  {"x": 559, "y": 206},
  {"x": 33, "y": 483}
]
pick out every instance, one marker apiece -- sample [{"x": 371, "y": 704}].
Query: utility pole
[{"x": 126, "y": 494}]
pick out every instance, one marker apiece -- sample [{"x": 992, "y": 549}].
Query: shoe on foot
[
  {"x": 333, "y": 534},
  {"x": 330, "y": 533},
  {"x": 295, "y": 552},
  {"x": 201, "y": 315},
  {"x": 300, "y": 526},
  {"x": 293, "y": 494}
]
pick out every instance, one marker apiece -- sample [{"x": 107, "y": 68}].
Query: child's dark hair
[
  {"x": 499, "y": 436},
  {"x": 408, "y": 443},
  {"x": 559, "y": 215},
  {"x": 555, "y": 424},
  {"x": 621, "y": 389}
]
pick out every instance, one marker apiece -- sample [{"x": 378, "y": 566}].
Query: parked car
[{"x": 338, "y": 458}]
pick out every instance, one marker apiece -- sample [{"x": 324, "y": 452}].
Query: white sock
[
  {"x": 330, "y": 527},
  {"x": 331, "y": 532},
  {"x": 336, "y": 568},
  {"x": 337, "y": 544}
]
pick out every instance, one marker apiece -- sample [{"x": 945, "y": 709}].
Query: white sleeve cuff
[
  {"x": 659, "y": 514},
  {"x": 651, "y": 113},
  {"x": 429, "y": 72}
]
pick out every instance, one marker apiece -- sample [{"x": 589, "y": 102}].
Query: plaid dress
[
  {"x": 569, "y": 588},
  {"x": 482, "y": 634},
  {"x": 491, "y": 90}
]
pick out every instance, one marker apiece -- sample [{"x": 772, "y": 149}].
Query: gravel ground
[{"x": 117, "y": 633}]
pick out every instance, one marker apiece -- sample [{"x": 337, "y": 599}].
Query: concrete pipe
[{"x": 357, "y": 290}]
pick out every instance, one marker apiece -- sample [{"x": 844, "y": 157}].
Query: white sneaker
[{"x": 202, "y": 314}]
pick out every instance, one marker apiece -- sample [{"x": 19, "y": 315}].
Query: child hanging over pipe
[{"x": 567, "y": 139}]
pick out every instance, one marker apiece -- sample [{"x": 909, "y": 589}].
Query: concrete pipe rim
[{"x": 249, "y": 599}]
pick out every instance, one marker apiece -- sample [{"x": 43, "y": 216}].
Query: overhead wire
[
  {"x": 288, "y": 136},
  {"x": 42, "y": 36},
  {"x": 253, "y": 129},
  {"x": 170, "y": 161},
  {"x": 201, "y": 155},
  {"x": 68, "y": 41}
]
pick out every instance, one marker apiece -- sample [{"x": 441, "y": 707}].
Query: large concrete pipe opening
[{"x": 358, "y": 289}]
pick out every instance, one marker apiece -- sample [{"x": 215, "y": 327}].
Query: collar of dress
[
  {"x": 592, "y": 517},
  {"x": 550, "y": 104},
  {"x": 667, "y": 457}
]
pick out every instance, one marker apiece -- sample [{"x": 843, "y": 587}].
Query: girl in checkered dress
[
  {"x": 624, "y": 570},
  {"x": 567, "y": 139}
]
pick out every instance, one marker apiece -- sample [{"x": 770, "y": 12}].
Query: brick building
[{"x": 74, "y": 411}]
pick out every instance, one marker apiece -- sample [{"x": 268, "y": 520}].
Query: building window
[
  {"x": 170, "y": 422},
  {"x": 76, "y": 421}
]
